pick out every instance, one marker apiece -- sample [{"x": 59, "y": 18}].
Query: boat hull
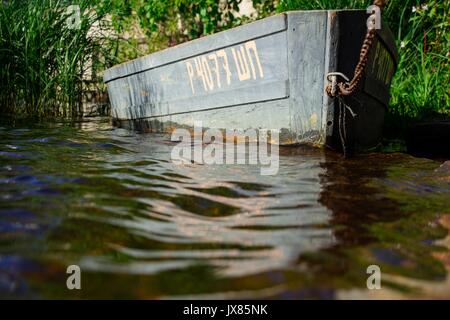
[{"x": 269, "y": 74}]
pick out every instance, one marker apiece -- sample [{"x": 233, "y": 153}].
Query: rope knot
[{"x": 336, "y": 87}]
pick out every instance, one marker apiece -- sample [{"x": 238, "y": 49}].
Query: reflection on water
[{"x": 139, "y": 226}]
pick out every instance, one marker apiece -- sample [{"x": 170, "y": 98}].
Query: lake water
[{"x": 139, "y": 226}]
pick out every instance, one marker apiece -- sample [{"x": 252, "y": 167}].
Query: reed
[{"x": 43, "y": 57}]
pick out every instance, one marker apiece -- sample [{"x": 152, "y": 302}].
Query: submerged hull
[{"x": 268, "y": 74}]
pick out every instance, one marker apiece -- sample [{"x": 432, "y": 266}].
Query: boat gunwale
[
  {"x": 110, "y": 77},
  {"x": 122, "y": 72}
]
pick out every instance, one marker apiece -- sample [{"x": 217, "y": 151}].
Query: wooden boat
[{"x": 269, "y": 74}]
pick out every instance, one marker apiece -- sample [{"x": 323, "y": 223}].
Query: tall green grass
[
  {"x": 43, "y": 57},
  {"x": 422, "y": 83},
  {"x": 422, "y": 29}
]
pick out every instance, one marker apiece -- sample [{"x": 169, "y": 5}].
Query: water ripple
[{"x": 112, "y": 201}]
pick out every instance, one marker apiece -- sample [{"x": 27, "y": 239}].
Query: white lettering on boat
[
  {"x": 222, "y": 54},
  {"x": 241, "y": 64},
  {"x": 214, "y": 67}
]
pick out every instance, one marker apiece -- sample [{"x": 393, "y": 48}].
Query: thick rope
[
  {"x": 341, "y": 89},
  {"x": 380, "y": 3},
  {"x": 347, "y": 88}
]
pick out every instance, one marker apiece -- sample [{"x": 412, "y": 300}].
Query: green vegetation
[
  {"x": 43, "y": 57},
  {"x": 42, "y": 61},
  {"x": 422, "y": 82},
  {"x": 170, "y": 22}
]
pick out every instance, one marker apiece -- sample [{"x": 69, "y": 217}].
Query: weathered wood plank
[
  {"x": 306, "y": 49},
  {"x": 331, "y": 54},
  {"x": 253, "y": 71},
  {"x": 239, "y": 96},
  {"x": 200, "y": 46},
  {"x": 266, "y": 115}
]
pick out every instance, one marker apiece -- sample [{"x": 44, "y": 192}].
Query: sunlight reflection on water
[{"x": 111, "y": 201}]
